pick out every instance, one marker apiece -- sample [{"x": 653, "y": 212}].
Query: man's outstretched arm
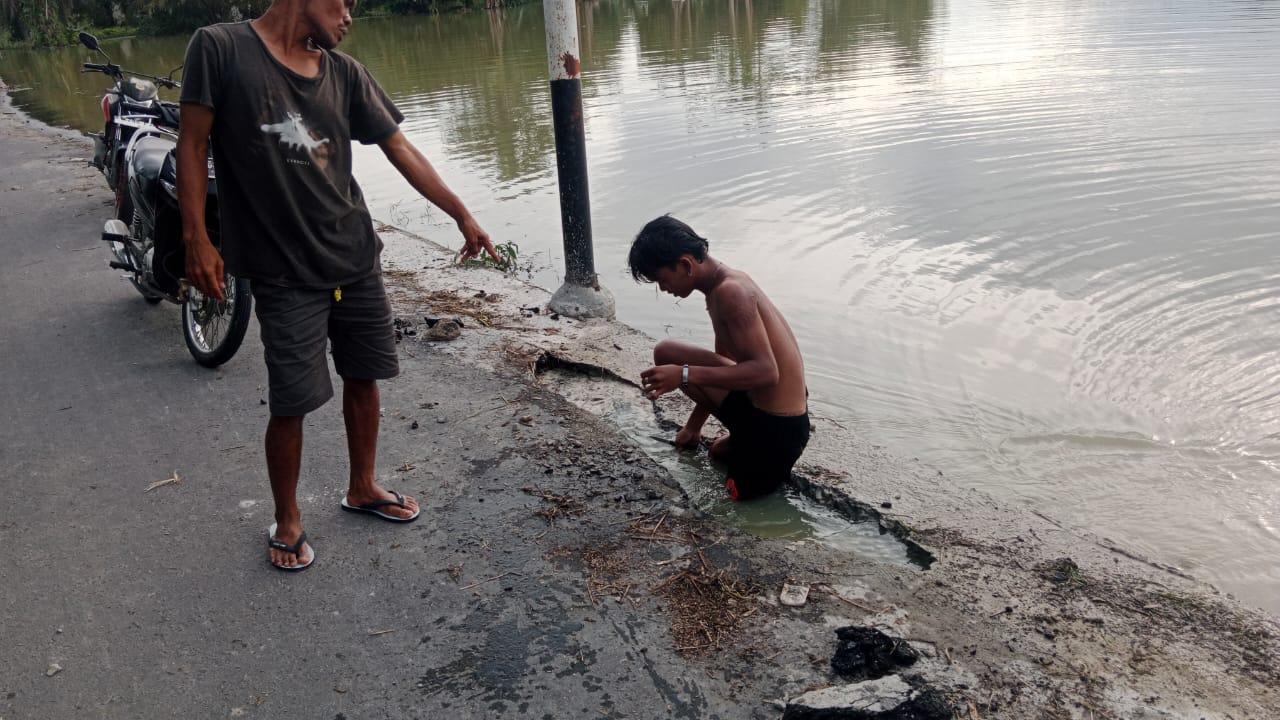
[{"x": 415, "y": 168}]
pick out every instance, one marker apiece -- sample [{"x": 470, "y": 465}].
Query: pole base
[{"x": 581, "y": 302}]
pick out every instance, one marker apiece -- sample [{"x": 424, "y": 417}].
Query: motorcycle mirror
[{"x": 89, "y": 41}]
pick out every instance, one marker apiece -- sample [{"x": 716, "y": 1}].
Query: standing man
[
  {"x": 281, "y": 108},
  {"x": 753, "y": 381}
]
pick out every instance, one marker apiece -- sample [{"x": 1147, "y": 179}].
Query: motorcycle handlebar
[{"x": 113, "y": 70}]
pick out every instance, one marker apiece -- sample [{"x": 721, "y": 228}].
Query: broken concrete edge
[
  {"x": 549, "y": 360},
  {"x": 838, "y": 469},
  {"x": 839, "y": 500}
]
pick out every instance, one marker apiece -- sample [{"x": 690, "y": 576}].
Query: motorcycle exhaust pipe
[{"x": 116, "y": 231}]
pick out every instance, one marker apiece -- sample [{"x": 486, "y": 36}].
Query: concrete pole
[{"x": 581, "y": 295}]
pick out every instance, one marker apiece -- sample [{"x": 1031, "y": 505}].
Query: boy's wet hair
[{"x": 660, "y": 244}]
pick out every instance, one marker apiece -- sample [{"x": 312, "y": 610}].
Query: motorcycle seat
[{"x": 168, "y": 113}]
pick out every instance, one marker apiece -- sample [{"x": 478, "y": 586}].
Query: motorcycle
[{"x": 135, "y": 151}]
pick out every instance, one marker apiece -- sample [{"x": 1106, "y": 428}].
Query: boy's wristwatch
[{"x": 684, "y": 376}]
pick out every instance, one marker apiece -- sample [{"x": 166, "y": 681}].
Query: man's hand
[
  {"x": 475, "y": 240},
  {"x": 204, "y": 267},
  {"x": 660, "y": 380}
]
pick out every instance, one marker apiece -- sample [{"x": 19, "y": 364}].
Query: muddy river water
[{"x": 1032, "y": 244}]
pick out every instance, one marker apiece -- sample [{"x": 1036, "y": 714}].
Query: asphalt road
[{"x": 161, "y": 603}]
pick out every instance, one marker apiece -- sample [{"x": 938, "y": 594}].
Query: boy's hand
[
  {"x": 687, "y": 438},
  {"x": 660, "y": 380}
]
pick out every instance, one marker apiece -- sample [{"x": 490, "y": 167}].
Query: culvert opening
[{"x": 802, "y": 511}]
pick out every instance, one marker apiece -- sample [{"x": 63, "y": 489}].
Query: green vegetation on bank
[{"x": 42, "y": 23}]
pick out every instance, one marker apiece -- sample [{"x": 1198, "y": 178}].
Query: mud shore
[
  {"x": 1016, "y": 615},
  {"x": 560, "y": 570}
]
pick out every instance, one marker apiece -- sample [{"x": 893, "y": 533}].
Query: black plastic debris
[{"x": 866, "y": 654}]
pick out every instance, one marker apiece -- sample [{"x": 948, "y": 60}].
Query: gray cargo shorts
[{"x": 298, "y": 326}]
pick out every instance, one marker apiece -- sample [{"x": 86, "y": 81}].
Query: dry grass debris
[
  {"x": 404, "y": 278},
  {"x": 1062, "y": 571},
  {"x": 646, "y": 528},
  {"x": 557, "y": 506},
  {"x": 523, "y": 356},
  {"x": 707, "y": 605},
  {"x": 604, "y": 570},
  {"x": 442, "y": 303},
  {"x": 174, "y": 479}
]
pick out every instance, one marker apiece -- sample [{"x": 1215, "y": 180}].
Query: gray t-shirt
[{"x": 291, "y": 213}]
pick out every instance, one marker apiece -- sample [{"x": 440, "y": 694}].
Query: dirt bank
[{"x": 1017, "y": 617}]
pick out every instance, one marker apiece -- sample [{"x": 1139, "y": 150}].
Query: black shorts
[
  {"x": 297, "y": 327},
  {"x": 763, "y": 447}
]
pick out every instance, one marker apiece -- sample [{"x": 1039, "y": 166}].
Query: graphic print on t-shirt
[{"x": 294, "y": 134}]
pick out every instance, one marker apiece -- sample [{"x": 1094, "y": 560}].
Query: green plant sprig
[{"x": 508, "y": 262}]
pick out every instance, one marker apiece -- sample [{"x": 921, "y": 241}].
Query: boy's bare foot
[{"x": 386, "y": 504}]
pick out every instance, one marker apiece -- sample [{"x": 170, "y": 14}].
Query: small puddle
[{"x": 788, "y": 515}]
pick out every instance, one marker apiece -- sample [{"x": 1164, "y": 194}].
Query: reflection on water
[{"x": 1030, "y": 243}]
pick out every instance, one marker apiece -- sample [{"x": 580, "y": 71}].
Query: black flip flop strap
[
  {"x": 398, "y": 502},
  {"x": 295, "y": 548}
]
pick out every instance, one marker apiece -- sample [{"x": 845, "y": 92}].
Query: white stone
[
  {"x": 793, "y": 595},
  {"x": 871, "y": 696}
]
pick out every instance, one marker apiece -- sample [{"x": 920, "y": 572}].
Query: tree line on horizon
[{"x": 44, "y": 23}]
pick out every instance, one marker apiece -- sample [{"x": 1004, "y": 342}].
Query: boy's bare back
[{"x": 730, "y": 304}]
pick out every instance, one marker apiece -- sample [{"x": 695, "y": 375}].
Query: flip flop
[
  {"x": 295, "y": 548},
  {"x": 372, "y": 508}
]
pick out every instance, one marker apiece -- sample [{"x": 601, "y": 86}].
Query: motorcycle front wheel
[{"x": 213, "y": 328}]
